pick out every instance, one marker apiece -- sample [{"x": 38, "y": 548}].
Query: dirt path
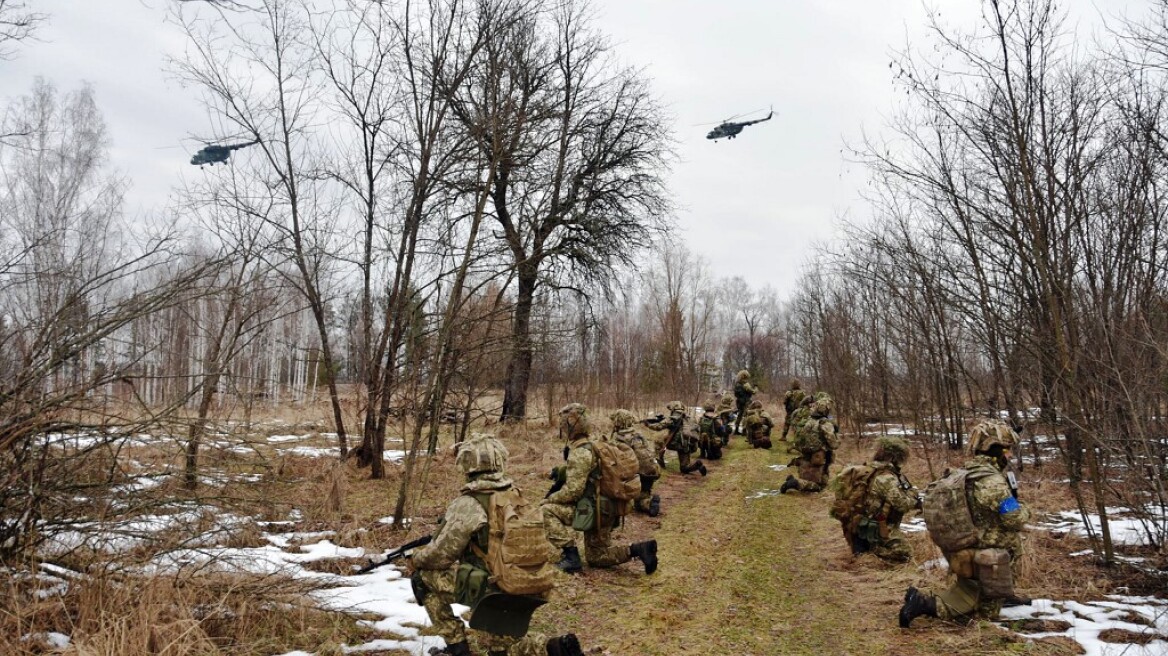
[{"x": 744, "y": 570}]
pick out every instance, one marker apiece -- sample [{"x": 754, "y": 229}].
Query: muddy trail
[{"x": 745, "y": 570}]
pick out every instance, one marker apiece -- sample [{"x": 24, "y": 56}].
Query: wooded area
[{"x": 457, "y": 211}]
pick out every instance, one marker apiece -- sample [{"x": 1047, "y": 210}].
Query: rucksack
[
  {"x": 851, "y": 491},
  {"x": 687, "y": 437},
  {"x": 816, "y": 434},
  {"x": 619, "y": 478},
  {"x": 646, "y": 458},
  {"x": 517, "y": 545},
  {"x": 946, "y": 511}
]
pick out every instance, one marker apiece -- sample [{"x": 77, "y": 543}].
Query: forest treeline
[{"x": 458, "y": 210}]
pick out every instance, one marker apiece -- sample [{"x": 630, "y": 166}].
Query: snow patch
[{"x": 1088, "y": 620}]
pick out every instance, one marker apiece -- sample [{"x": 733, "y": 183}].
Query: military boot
[
  {"x": 565, "y": 645},
  {"x": 647, "y": 553},
  {"x": 655, "y": 506},
  {"x": 570, "y": 561},
  {"x": 456, "y": 649},
  {"x": 791, "y": 483},
  {"x": 915, "y": 605}
]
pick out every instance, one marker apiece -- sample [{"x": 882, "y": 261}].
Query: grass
[{"x": 762, "y": 576}]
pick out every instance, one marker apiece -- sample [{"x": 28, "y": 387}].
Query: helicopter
[
  {"x": 729, "y": 129},
  {"x": 218, "y": 154}
]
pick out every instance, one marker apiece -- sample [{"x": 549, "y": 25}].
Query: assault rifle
[
  {"x": 1013, "y": 481},
  {"x": 559, "y": 476},
  {"x": 653, "y": 420},
  {"x": 404, "y": 551}
]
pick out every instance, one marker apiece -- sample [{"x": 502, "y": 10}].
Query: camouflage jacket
[
  {"x": 673, "y": 423},
  {"x": 646, "y": 451},
  {"x": 577, "y": 474},
  {"x": 792, "y": 399},
  {"x": 757, "y": 424},
  {"x": 800, "y": 415},
  {"x": 886, "y": 498},
  {"x": 816, "y": 434},
  {"x": 464, "y": 518},
  {"x": 744, "y": 390},
  {"x": 993, "y": 507}
]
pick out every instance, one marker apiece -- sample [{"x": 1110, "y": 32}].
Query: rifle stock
[{"x": 401, "y": 552}]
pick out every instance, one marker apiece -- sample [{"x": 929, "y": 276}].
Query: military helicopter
[
  {"x": 218, "y": 154},
  {"x": 729, "y": 128}
]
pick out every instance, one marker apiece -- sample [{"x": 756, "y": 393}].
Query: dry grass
[{"x": 764, "y": 576}]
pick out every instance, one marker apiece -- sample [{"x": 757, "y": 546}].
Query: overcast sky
[{"x": 754, "y": 206}]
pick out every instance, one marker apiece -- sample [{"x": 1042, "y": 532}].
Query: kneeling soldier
[
  {"x": 462, "y": 543},
  {"x": 623, "y": 431}
]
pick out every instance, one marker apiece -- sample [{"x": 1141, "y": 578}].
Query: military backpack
[
  {"x": 851, "y": 492},
  {"x": 646, "y": 458},
  {"x": 517, "y": 546},
  {"x": 619, "y": 478},
  {"x": 816, "y": 434},
  {"x": 947, "y": 512}
]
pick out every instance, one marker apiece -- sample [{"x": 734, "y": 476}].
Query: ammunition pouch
[
  {"x": 470, "y": 584},
  {"x": 961, "y": 564},
  {"x": 868, "y": 530},
  {"x": 994, "y": 573},
  {"x": 585, "y": 517}
]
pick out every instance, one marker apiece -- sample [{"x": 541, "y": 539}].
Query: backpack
[
  {"x": 619, "y": 478},
  {"x": 851, "y": 492},
  {"x": 646, "y": 457},
  {"x": 946, "y": 511},
  {"x": 517, "y": 545},
  {"x": 792, "y": 401},
  {"x": 816, "y": 434}
]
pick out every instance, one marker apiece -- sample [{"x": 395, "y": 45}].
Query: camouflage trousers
[
  {"x": 438, "y": 600},
  {"x": 964, "y": 600},
  {"x": 812, "y": 475},
  {"x": 598, "y": 548},
  {"x": 894, "y": 548}
]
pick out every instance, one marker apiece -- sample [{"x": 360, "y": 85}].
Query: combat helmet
[
  {"x": 743, "y": 375},
  {"x": 823, "y": 404},
  {"x": 754, "y": 405},
  {"x": 891, "y": 449},
  {"x": 481, "y": 453},
  {"x": 795, "y": 384},
  {"x": 675, "y": 406},
  {"x": 622, "y": 419},
  {"x": 989, "y": 433},
  {"x": 574, "y": 421},
  {"x": 709, "y": 407}
]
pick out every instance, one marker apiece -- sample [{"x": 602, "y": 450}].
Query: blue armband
[{"x": 1009, "y": 505}]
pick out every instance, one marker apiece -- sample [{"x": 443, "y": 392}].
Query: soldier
[
  {"x": 758, "y": 426},
  {"x": 795, "y": 420},
  {"x": 711, "y": 430},
  {"x": 743, "y": 392},
  {"x": 886, "y": 495},
  {"x": 725, "y": 410},
  {"x": 461, "y": 538},
  {"x": 560, "y": 507},
  {"x": 816, "y": 439},
  {"x": 983, "y": 491},
  {"x": 677, "y": 439},
  {"x": 791, "y": 401},
  {"x": 623, "y": 431}
]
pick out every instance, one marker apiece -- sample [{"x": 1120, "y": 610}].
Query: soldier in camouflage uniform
[
  {"x": 677, "y": 439},
  {"x": 623, "y": 431},
  {"x": 725, "y": 410},
  {"x": 817, "y": 439},
  {"x": 482, "y": 458},
  {"x": 744, "y": 391},
  {"x": 559, "y": 508},
  {"x": 888, "y": 498},
  {"x": 791, "y": 402},
  {"x": 795, "y": 420},
  {"x": 712, "y": 430},
  {"x": 758, "y": 426},
  {"x": 999, "y": 518}
]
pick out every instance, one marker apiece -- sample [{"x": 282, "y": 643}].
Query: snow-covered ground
[
  {"x": 1126, "y": 528},
  {"x": 1115, "y": 618},
  {"x": 383, "y": 592}
]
